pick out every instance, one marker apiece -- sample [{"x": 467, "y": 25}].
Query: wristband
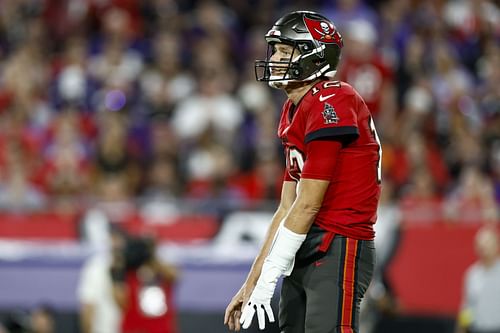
[{"x": 285, "y": 246}]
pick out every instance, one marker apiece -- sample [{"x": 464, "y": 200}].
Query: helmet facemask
[
  {"x": 287, "y": 70},
  {"x": 303, "y": 66}
]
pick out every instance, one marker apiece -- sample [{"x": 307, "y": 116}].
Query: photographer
[
  {"x": 142, "y": 288},
  {"x": 99, "y": 312}
]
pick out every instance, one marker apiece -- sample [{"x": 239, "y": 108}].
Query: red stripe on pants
[{"x": 348, "y": 285}]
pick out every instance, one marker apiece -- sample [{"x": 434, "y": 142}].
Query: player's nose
[{"x": 275, "y": 56}]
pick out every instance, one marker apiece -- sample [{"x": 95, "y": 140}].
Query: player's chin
[
  {"x": 297, "y": 84},
  {"x": 278, "y": 83}
]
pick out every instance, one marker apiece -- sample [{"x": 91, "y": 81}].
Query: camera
[{"x": 138, "y": 251}]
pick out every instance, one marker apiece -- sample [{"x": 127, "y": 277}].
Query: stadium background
[{"x": 146, "y": 114}]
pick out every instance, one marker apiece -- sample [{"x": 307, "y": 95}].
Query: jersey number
[
  {"x": 295, "y": 162},
  {"x": 379, "y": 162},
  {"x": 327, "y": 84}
]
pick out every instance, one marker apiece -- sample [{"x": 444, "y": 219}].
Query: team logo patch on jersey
[{"x": 330, "y": 115}]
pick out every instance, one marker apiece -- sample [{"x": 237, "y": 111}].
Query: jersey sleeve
[
  {"x": 334, "y": 118},
  {"x": 287, "y": 177},
  {"x": 322, "y": 156}
]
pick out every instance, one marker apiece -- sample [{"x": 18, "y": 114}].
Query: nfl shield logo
[{"x": 329, "y": 114}]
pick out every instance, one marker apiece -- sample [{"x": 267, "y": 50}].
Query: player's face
[{"x": 282, "y": 53}]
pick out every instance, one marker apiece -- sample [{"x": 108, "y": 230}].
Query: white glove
[
  {"x": 279, "y": 261},
  {"x": 260, "y": 300}
]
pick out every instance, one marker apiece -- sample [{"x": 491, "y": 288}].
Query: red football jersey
[
  {"x": 135, "y": 320},
  {"x": 334, "y": 110}
]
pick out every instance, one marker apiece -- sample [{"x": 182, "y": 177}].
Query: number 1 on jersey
[
  {"x": 379, "y": 163},
  {"x": 295, "y": 162}
]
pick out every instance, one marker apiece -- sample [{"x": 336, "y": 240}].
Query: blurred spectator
[
  {"x": 363, "y": 68},
  {"x": 211, "y": 106},
  {"x": 113, "y": 198},
  {"x": 413, "y": 70},
  {"x": 113, "y": 154},
  {"x": 342, "y": 12},
  {"x": 214, "y": 25},
  {"x": 494, "y": 162},
  {"x": 72, "y": 81},
  {"x": 268, "y": 174},
  {"x": 117, "y": 65},
  {"x": 98, "y": 311},
  {"x": 213, "y": 178},
  {"x": 65, "y": 18},
  {"x": 65, "y": 172},
  {"x": 162, "y": 138},
  {"x": 473, "y": 198},
  {"x": 420, "y": 201},
  {"x": 17, "y": 194},
  {"x": 25, "y": 77},
  {"x": 16, "y": 323},
  {"x": 379, "y": 300},
  {"x": 258, "y": 136},
  {"x": 159, "y": 202},
  {"x": 488, "y": 72},
  {"x": 394, "y": 29},
  {"x": 164, "y": 83},
  {"x": 41, "y": 320},
  {"x": 452, "y": 85},
  {"x": 142, "y": 287},
  {"x": 467, "y": 20},
  {"x": 481, "y": 298},
  {"x": 465, "y": 149},
  {"x": 162, "y": 179},
  {"x": 417, "y": 152}
]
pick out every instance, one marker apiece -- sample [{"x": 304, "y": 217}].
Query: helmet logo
[
  {"x": 325, "y": 27},
  {"x": 323, "y": 31}
]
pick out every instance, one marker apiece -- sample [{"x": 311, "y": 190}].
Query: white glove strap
[{"x": 285, "y": 246}]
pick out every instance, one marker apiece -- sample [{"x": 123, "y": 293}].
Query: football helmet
[{"x": 317, "y": 40}]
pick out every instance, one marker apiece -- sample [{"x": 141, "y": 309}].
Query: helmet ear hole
[
  {"x": 295, "y": 73},
  {"x": 304, "y": 48}
]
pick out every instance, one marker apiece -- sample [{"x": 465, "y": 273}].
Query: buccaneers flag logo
[
  {"x": 323, "y": 31},
  {"x": 330, "y": 115}
]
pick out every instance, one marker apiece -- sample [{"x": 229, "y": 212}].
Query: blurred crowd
[{"x": 110, "y": 100}]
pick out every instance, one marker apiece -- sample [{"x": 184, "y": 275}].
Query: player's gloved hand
[
  {"x": 279, "y": 261},
  {"x": 260, "y": 299}
]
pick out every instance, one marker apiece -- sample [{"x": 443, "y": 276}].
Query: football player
[{"x": 321, "y": 235}]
